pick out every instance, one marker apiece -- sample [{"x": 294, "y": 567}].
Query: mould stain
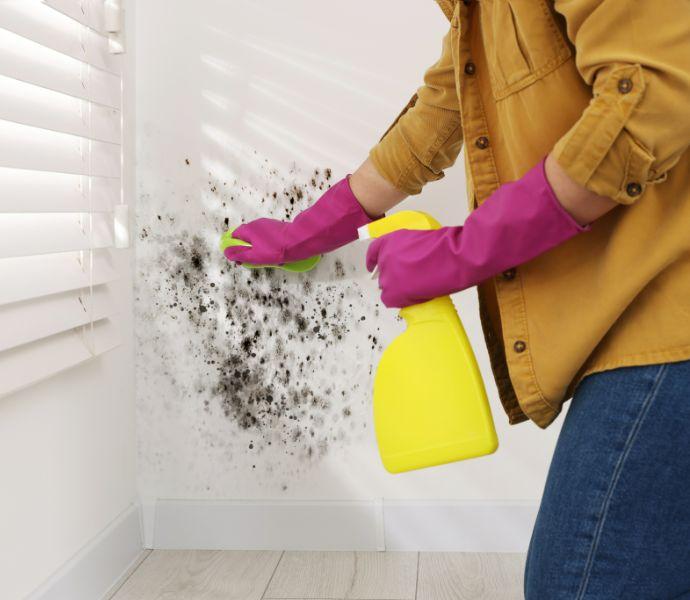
[{"x": 267, "y": 351}]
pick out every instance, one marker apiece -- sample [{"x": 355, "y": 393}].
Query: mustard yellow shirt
[{"x": 605, "y": 84}]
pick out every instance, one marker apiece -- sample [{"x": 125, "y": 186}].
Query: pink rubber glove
[
  {"x": 518, "y": 222},
  {"x": 331, "y": 222}
]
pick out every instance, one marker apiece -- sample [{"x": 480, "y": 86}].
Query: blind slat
[
  {"x": 30, "y": 363},
  {"x": 35, "y": 21},
  {"x": 24, "y": 191},
  {"x": 39, "y": 107},
  {"x": 28, "y": 61},
  {"x": 86, "y": 12},
  {"x": 38, "y": 149},
  {"x": 34, "y": 234},
  {"x": 25, "y": 322},
  {"x": 37, "y": 276}
]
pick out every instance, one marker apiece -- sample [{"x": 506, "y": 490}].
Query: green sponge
[{"x": 298, "y": 266}]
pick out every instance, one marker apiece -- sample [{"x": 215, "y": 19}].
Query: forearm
[
  {"x": 583, "y": 205},
  {"x": 373, "y": 191}
]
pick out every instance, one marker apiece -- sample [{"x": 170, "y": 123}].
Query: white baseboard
[
  {"x": 266, "y": 525},
  {"x": 452, "y": 526},
  {"x": 446, "y": 526},
  {"x": 99, "y": 567}
]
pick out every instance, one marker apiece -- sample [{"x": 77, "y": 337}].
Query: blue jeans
[{"x": 614, "y": 520}]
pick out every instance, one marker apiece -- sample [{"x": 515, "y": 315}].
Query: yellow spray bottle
[{"x": 430, "y": 405}]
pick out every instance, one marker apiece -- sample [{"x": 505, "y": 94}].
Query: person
[{"x": 575, "y": 122}]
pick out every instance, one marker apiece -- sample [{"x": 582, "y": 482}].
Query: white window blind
[{"x": 60, "y": 181}]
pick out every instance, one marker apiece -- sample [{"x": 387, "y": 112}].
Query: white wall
[
  {"x": 67, "y": 468},
  {"x": 68, "y": 458},
  {"x": 237, "y": 101}
]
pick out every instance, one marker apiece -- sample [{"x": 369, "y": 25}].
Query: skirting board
[
  {"x": 450, "y": 526},
  {"x": 100, "y": 565}
]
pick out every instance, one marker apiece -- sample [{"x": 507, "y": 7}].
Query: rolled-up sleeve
[
  {"x": 636, "y": 58},
  {"x": 426, "y": 137}
]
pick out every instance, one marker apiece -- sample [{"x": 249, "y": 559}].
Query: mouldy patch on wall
[{"x": 283, "y": 360}]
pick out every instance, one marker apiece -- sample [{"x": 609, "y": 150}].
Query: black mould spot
[{"x": 339, "y": 270}]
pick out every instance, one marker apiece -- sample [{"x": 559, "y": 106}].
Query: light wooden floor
[{"x": 257, "y": 575}]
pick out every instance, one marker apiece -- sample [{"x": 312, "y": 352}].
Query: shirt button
[
  {"x": 482, "y": 142},
  {"x": 509, "y": 274},
  {"x": 519, "y": 346},
  {"x": 625, "y": 85},
  {"x": 470, "y": 68},
  {"x": 633, "y": 189}
]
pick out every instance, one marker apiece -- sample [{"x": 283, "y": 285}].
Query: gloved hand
[
  {"x": 518, "y": 222},
  {"x": 331, "y": 222}
]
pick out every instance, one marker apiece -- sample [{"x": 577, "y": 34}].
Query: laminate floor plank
[
  {"x": 468, "y": 576},
  {"x": 201, "y": 575},
  {"x": 335, "y": 575}
]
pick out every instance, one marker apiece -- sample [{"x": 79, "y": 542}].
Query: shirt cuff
[
  {"x": 598, "y": 152},
  {"x": 417, "y": 147}
]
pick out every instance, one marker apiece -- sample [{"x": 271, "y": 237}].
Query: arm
[
  {"x": 422, "y": 141},
  {"x": 640, "y": 128},
  {"x": 636, "y": 57}
]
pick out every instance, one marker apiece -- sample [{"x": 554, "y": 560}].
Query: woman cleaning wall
[{"x": 576, "y": 153}]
